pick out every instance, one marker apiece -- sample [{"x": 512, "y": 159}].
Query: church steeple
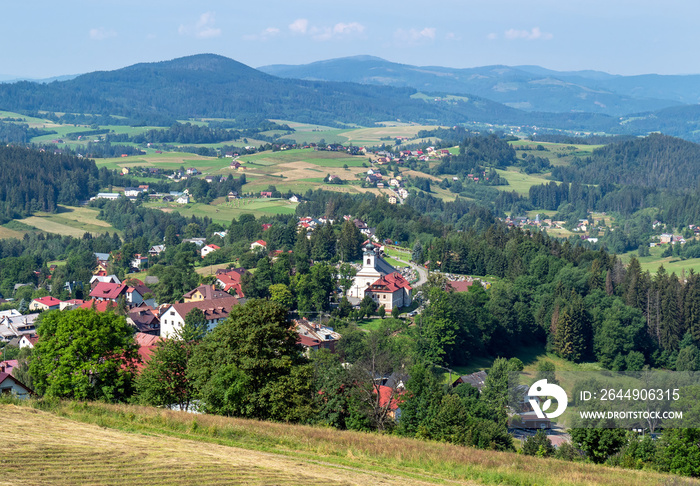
[{"x": 369, "y": 256}]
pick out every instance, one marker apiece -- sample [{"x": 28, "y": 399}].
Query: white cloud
[
  {"x": 534, "y": 34},
  {"x": 325, "y": 33},
  {"x": 204, "y": 28},
  {"x": 415, "y": 36},
  {"x": 266, "y": 34},
  {"x": 452, "y": 36},
  {"x": 101, "y": 33},
  {"x": 492, "y": 36},
  {"x": 337, "y": 31},
  {"x": 299, "y": 26}
]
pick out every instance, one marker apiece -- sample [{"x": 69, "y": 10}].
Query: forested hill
[
  {"x": 658, "y": 161},
  {"x": 208, "y": 85},
  {"x": 31, "y": 180}
]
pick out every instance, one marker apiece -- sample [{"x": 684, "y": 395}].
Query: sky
[{"x": 41, "y": 39}]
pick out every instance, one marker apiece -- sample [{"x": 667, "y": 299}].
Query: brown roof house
[{"x": 172, "y": 317}]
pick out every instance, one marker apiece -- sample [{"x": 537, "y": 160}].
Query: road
[{"x": 422, "y": 272}]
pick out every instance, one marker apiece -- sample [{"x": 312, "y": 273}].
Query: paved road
[{"x": 422, "y": 272}]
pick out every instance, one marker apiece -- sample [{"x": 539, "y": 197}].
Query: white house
[
  {"x": 172, "y": 317},
  {"x": 133, "y": 191},
  {"x": 184, "y": 199},
  {"x": 11, "y": 385},
  {"x": 45, "y": 304},
  {"x": 259, "y": 244},
  {"x": 208, "y": 249}
]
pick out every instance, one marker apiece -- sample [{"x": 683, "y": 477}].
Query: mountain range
[
  {"x": 529, "y": 88},
  {"x": 365, "y": 90}
]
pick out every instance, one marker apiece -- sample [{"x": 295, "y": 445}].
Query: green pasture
[
  {"x": 224, "y": 212},
  {"x": 519, "y": 181},
  {"x": 671, "y": 264},
  {"x": 68, "y": 221}
]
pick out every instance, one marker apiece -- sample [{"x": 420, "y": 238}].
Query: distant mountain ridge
[
  {"x": 208, "y": 85},
  {"x": 213, "y": 86},
  {"x": 530, "y": 88}
]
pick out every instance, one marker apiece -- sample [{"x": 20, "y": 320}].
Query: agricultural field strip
[{"x": 51, "y": 450}]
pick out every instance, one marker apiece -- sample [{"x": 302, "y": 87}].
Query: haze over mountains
[
  {"x": 530, "y": 88},
  {"x": 365, "y": 90}
]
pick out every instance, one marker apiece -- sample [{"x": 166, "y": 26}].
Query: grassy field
[
  {"x": 224, "y": 212},
  {"x": 519, "y": 181},
  {"x": 166, "y": 161},
  {"x": 557, "y": 153},
  {"x": 671, "y": 264},
  {"x": 74, "y": 443},
  {"x": 69, "y": 221}
]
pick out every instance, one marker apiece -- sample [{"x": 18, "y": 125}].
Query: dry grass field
[
  {"x": 96, "y": 443},
  {"x": 70, "y": 221}
]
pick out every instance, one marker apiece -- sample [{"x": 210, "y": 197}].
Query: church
[{"x": 380, "y": 281}]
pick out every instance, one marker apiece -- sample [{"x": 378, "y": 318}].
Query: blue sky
[{"x": 48, "y": 38}]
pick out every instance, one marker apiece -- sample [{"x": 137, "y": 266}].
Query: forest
[{"x": 32, "y": 180}]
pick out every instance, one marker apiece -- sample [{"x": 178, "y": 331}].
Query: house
[
  {"x": 103, "y": 279},
  {"x": 45, "y": 304},
  {"x": 266, "y": 193},
  {"x": 12, "y": 386},
  {"x": 295, "y": 198},
  {"x": 144, "y": 319},
  {"x": 477, "y": 380},
  {"x": 146, "y": 347},
  {"x": 197, "y": 241},
  {"x": 71, "y": 304},
  {"x": 232, "y": 195},
  {"x": 133, "y": 191},
  {"x": 208, "y": 249},
  {"x": 221, "y": 234},
  {"x": 107, "y": 195},
  {"x": 403, "y": 193},
  {"x": 209, "y": 179},
  {"x": 137, "y": 294},
  {"x": 315, "y": 336},
  {"x": 390, "y": 291},
  {"x": 139, "y": 261},
  {"x": 98, "y": 305},
  {"x": 392, "y": 199},
  {"x": 156, "y": 250},
  {"x": 259, "y": 244},
  {"x": 108, "y": 291},
  {"x": 191, "y": 171},
  {"x": 28, "y": 341},
  {"x": 172, "y": 317},
  {"x": 12, "y": 327},
  {"x": 230, "y": 280},
  {"x": 266, "y": 226},
  {"x": 204, "y": 292},
  {"x": 102, "y": 257},
  {"x": 184, "y": 199}
]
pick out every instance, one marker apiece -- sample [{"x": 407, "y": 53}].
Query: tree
[
  {"x": 538, "y": 445},
  {"x": 381, "y": 312},
  {"x": 281, "y": 294},
  {"x": 163, "y": 381},
  {"x": 195, "y": 327},
  {"x": 249, "y": 365},
  {"x": 84, "y": 355}
]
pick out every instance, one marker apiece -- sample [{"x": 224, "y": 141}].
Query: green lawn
[{"x": 519, "y": 181}]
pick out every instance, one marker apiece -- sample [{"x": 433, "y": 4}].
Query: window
[{"x": 368, "y": 261}]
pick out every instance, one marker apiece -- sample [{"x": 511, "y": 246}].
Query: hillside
[
  {"x": 66, "y": 445},
  {"x": 207, "y": 85},
  {"x": 657, "y": 161},
  {"x": 529, "y": 88}
]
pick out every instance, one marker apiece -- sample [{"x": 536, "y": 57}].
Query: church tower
[{"x": 369, "y": 257}]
